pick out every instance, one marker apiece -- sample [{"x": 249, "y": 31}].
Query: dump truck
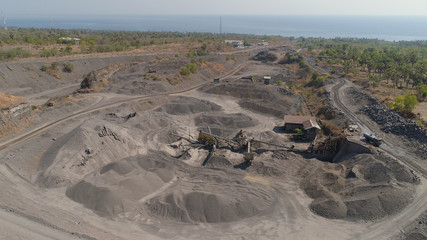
[{"x": 370, "y": 138}]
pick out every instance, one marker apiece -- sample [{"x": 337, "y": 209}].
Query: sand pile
[
  {"x": 188, "y": 105},
  {"x": 259, "y": 98},
  {"x": 118, "y": 187},
  {"x": 363, "y": 186}
]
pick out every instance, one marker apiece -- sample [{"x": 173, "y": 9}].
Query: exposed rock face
[
  {"x": 265, "y": 56},
  {"x": 96, "y": 80},
  {"x": 89, "y": 81},
  {"x": 15, "y": 119}
]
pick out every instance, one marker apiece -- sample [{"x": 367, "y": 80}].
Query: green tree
[
  {"x": 405, "y": 104},
  {"x": 410, "y": 102},
  {"x": 192, "y": 68},
  {"x": 399, "y": 103},
  {"x": 421, "y": 91},
  {"x": 314, "y": 76}
]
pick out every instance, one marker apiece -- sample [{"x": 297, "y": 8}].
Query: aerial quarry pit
[{"x": 135, "y": 152}]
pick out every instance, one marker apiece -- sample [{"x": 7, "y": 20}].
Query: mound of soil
[
  {"x": 119, "y": 186},
  {"x": 364, "y": 186},
  {"x": 188, "y": 105}
]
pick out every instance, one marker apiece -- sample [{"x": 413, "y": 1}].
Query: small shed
[
  {"x": 308, "y": 124},
  {"x": 267, "y": 80}
]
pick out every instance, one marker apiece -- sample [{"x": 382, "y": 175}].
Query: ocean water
[{"x": 391, "y": 28}]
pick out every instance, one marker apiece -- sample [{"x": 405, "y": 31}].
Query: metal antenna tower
[
  {"x": 220, "y": 25},
  {"x": 4, "y": 21}
]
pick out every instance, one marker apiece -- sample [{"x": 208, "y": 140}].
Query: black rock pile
[
  {"x": 330, "y": 109},
  {"x": 391, "y": 122}
]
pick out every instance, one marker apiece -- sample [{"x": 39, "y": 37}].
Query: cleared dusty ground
[{"x": 121, "y": 172}]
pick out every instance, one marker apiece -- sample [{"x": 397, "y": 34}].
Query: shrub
[
  {"x": 68, "y": 49},
  {"x": 54, "y": 65},
  {"x": 192, "y": 68},
  {"x": 184, "y": 71},
  {"x": 298, "y": 131},
  {"x": 68, "y": 67},
  {"x": 314, "y": 76},
  {"x": 319, "y": 81},
  {"x": 43, "y": 68}
]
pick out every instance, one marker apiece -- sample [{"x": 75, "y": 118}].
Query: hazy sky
[{"x": 13, "y": 8}]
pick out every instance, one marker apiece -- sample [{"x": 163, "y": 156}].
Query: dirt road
[{"x": 393, "y": 226}]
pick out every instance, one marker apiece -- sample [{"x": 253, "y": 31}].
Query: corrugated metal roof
[
  {"x": 310, "y": 124},
  {"x": 297, "y": 119}
]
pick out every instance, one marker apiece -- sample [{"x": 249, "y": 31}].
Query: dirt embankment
[
  {"x": 26, "y": 78},
  {"x": 15, "y": 119},
  {"x": 159, "y": 75}
]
